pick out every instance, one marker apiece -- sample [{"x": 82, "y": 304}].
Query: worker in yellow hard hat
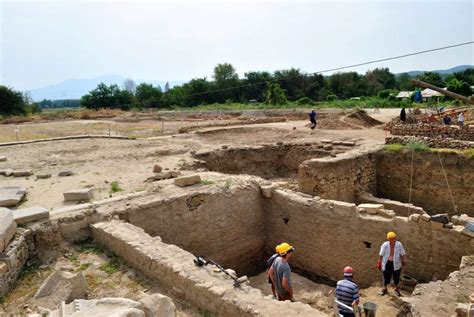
[
  {"x": 269, "y": 264},
  {"x": 280, "y": 272},
  {"x": 392, "y": 257}
]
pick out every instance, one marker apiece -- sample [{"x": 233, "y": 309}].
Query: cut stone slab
[
  {"x": 326, "y": 141},
  {"x": 83, "y": 194},
  {"x": 65, "y": 173},
  {"x": 414, "y": 217},
  {"x": 43, "y": 176},
  {"x": 61, "y": 286},
  {"x": 348, "y": 143},
  {"x": 158, "y": 305},
  {"x": 372, "y": 208},
  {"x": 110, "y": 307},
  {"x": 7, "y": 227},
  {"x": 11, "y": 196},
  {"x": 387, "y": 213},
  {"x": 187, "y": 180},
  {"x": 22, "y": 173},
  {"x": 3, "y": 158},
  {"x": 22, "y": 216},
  {"x": 157, "y": 168},
  {"x": 163, "y": 175}
]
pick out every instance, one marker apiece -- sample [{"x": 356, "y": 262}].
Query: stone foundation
[
  {"x": 465, "y": 133},
  {"x": 431, "y": 142}
]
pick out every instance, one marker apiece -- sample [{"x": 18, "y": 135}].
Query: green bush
[
  {"x": 331, "y": 98},
  {"x": 115, "y": 187},
  {"x": 305, "y": 101},
  {"x": 384, "y": 94},
  {"x": 418, "y": 146}
]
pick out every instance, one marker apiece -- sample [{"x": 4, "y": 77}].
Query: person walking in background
[
  {"x": 403, "y": 115},
  {"x": 447, "y": 119},
  {"x": 461, "y": 118},
  {"x": 347, "y": 292},
  {"x": 391, "y": 258},
  {"x": 312, "y": 118},
  {"x": 280, "y": 273},
  {"x": 269, "y": 264}
]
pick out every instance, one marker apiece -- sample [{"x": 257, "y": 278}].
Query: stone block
[
  {"x": 187, "y": 180},
  {"x": 414, "y": 217},
  {"x": 267, "y": 190},
  {"x": 6, "y": 172},
  {"x": 22, "y": 173},
  {"x": 22, "y": 216},
  {"x": 11, "y": 196},
  {"x": 163, "y": 175},
  {"x": 157, "y": 168},
  {"x": 327, "y": 147},
  {"x": 469, "y": 230},
  {"x": 158, "y": 305},
  {"x": 464, "y": 219},
  {"x": 83, "y": 194},
  {"x": 7, "y": 227},
  {"x": 348, "y": 143},
  {"x": 43, "y": 176},
  {"x": 455, "y": 220},
  {"x": 387, "y": 213},
  {"x": 448, "y": 225},
  {"x": 326, "y": 141},
  {"x": 3, "y": 268},
  {"x": 425, "y": 217},
  {"x": 3, "y": 158},
  {"x": 372, "y": 209},
  {"x": 442, "y": 218},
  {"x": 65, "y": 173}
]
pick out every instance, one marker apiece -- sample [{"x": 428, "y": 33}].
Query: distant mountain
[
  {"x": 449, "y": 71},
  {"x": 76, "y": 88}
]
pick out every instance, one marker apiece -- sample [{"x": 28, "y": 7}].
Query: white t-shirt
[{"x": 398, "y": 252}]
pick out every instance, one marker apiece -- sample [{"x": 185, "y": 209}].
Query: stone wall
[
  {"x": 224, "y": 226},
  {"x": 429, "y": 185},
  {"x": 401, "y": 209},
  {"x": 328, "y": 235},
  {"x": 341, "y": 177},
  {"x": 432, "y": 142},
  {"x": 173, "y": 267},
  {"x": 429, "y": 130},
  {"x": 267, "y": 161},
  {"x": 14, "y": 257}
]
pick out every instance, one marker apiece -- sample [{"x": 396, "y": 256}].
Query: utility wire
[{"x": 334, "y": 69}]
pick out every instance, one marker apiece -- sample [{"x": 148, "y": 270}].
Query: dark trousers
[
  {"x": 313, "y": 123},
  {"x": 387, "y": 274}
]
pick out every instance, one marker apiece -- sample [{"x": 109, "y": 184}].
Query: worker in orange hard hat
[
  {"x": 347, "y": 292},
  {"x": 280, "y": 272},
  {"x": 392, "y": 257},
  {"x": 269, "y": 264}
]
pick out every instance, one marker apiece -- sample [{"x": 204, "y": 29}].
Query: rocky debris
[
  {"x": 327, "y": 147},
  {"x": 387, "y": 213},
  {"x": 65, "y": 173},
  {"x": 267, "y": 190},
  {"x": 11, "y": 196},
  {"x": 224, "y": 147},
  {"x": 414, "y": 217},
  {"x": 464, "y": 310},
  {"x": 43, "y": 176},
  {"x": 187, "y": 180},
  {"x": 22, "y": 216},
  {"x": 163, "y": 175},
  {"x": 442, "y": 218},
  {"x": 83, "y": 194},
  {"x": 6, "y": 172},
  {"x": 426, "y": 131},
  {"x": 61, "y": 286},
  {"x": 3, "y": 158},
  {"x": 112, "y": 307},
  {"x": 372, "y": 208},
  {"x": 22, "y": 173},
  {"x": 157, "y": 168},
  {"x": 462, "y": 220},
  {"x": 157, "y": 305},
  {"x": 7, "y": 227},
  {"x": 469, "y": 230}
]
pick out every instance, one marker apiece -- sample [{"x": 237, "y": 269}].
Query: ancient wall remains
[
  {"x": 328, "y": 235},
  {"x": 224, "y": 226},
  {"x": 430, "y": 190},
  {"x": 428, "y": 130},
  {"x": 431, "y": 142},
  {"x": 341, "y": 177},
  {"x": 173, "y": 267}
]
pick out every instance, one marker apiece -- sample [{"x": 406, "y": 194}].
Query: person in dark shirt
[
  {"x": 447, "y": 120},
  {"x": 403, "y": 115},
  {"x": 312, "y": 118}
]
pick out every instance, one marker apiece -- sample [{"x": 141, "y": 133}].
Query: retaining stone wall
[
  {"x": 452, "y": 131},
  {"x": 432, "y": 142}
]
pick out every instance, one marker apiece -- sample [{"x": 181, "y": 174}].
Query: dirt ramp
[{"x": 361, "y": 118}]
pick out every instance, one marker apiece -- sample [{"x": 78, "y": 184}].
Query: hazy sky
[{"x": 44, "y": 43}]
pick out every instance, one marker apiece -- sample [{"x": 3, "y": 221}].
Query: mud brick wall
[
  {"x": 452, "y": 131},
  {"x": 225, "y": 227},
  {"x": 340, "y": 178},
  {"x": 429, "y": 185},
  {"x": 328, "y": 235}
]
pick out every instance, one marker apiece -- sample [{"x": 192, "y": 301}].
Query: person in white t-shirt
[{"x": 392, "y": 257}]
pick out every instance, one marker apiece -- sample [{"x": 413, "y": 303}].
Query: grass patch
[
  {"x": 87, "y": 246},
  {"x": 28, "y": 269},
  {"x": 140, "y": 189},
  {"x": 109, "y": 267},
  {"x": 115, "y": 187},
  {"x": 395, "y": 147},
  {"x": 82, "y": 267},
  {"x": 206, "y": 182},
  {"x": 469, "y": 153},
  {"x": 418, "y": 146}
]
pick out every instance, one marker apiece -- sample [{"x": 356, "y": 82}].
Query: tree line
[{"x": 278, "y": 87}]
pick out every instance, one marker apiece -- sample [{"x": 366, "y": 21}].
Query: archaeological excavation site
[{"x": 182, "y": 224}]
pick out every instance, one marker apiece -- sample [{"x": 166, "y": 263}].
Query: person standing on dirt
[
  {"x": 312, "y": 118},
  {"x": 269, "y": 264},
  {"x": 403, "y": 115},
  {"x": 461, "y": 119},
  {"x": 347, "y": 292},
  {"x": 392, "y": 257},
  {"x": 280, "y": 273}
]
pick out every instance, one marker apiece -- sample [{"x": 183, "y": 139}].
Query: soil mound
[{"x": 360, "y": 117}]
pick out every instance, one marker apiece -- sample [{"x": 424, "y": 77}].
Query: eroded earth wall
[
  {"x": 328, "y": 235},
  {"x": 429, "y": 189}
]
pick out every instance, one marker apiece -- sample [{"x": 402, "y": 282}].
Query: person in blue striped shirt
[{"x": 347, "y": 292}]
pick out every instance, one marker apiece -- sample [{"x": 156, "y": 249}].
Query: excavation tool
[
  {"x": 369, "y": 309},
  {"x": 201, "y": 261}
]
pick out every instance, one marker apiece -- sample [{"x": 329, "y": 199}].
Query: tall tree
[
  {"x": 275, "y": 94},
  {"x": 225, "y": 77},
  {"x": 148, "y": 95},
  {"x": 129, "y": 85},
  {"x": 11, "y": 102}
]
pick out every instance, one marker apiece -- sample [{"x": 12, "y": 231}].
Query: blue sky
[{"x": 44, "y": 43}]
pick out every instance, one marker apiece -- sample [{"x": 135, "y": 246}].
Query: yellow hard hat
[
  {"x": 277, "y": 248},
  {"x": 284, "y": 248},
  {"x": 391, "y": 235}
]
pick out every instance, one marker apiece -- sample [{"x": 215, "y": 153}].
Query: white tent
[
  {"x": 404, "y": 94},
  {"x": 428, "y": 93}
]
